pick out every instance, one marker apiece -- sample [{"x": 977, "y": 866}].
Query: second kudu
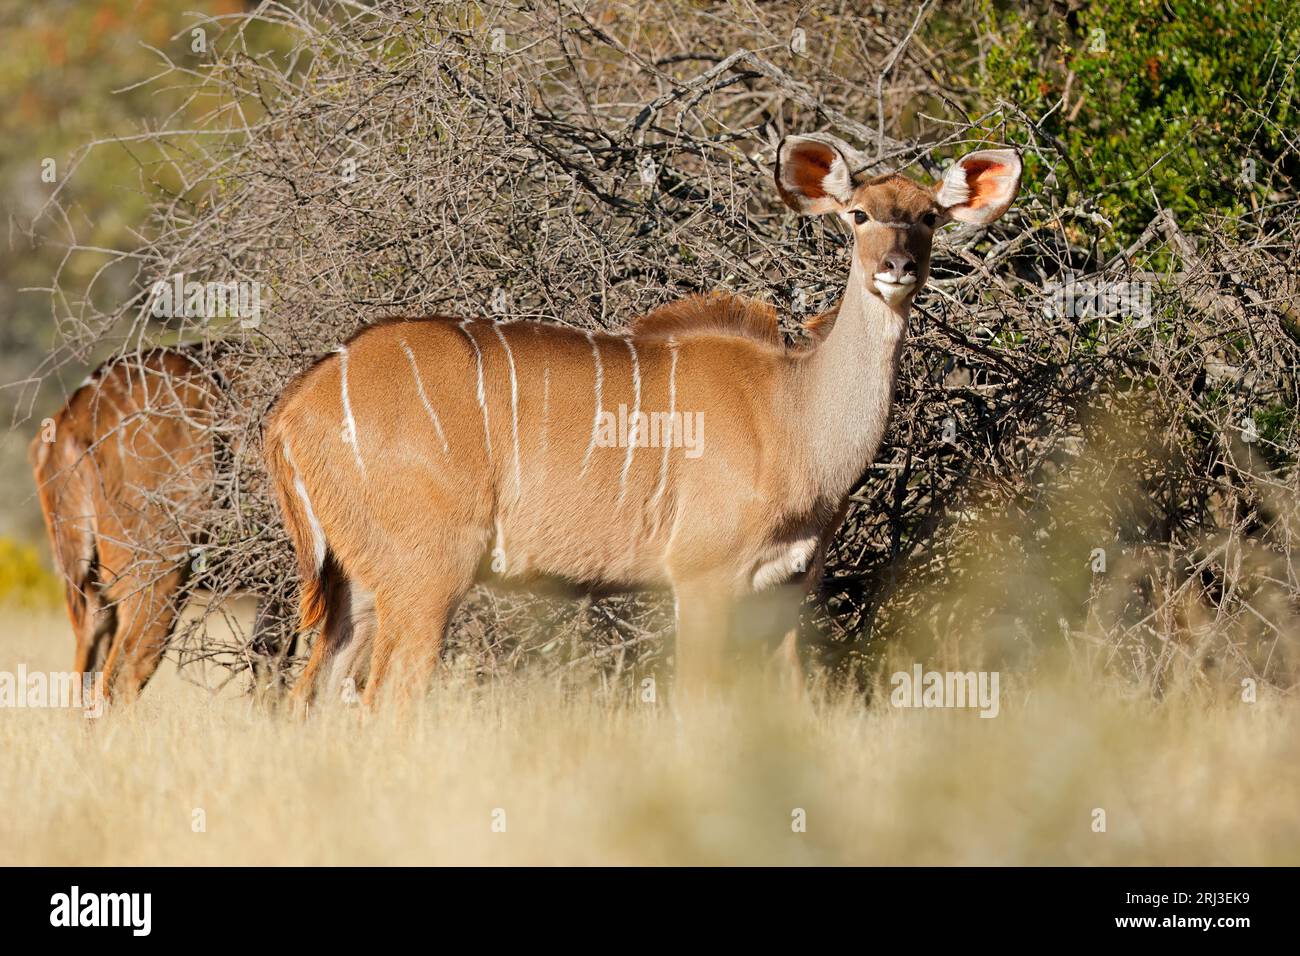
[
  {"x": 118, "y": 471},
  {"x": 127, "y": 474},
  {"x": 425, "y": 454}
]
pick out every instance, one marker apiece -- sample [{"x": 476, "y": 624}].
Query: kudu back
[{"x": 697, "y": 452}]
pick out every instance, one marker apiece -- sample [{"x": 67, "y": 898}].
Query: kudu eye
[
  {"x": 930, "y": 219},
  {"x": 860, "y": 217}
]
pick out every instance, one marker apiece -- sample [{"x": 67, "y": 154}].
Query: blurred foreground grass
[{"x": 581, "y": 780}]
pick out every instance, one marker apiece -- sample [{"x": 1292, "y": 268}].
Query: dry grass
[{"x": 586, "y": 781}]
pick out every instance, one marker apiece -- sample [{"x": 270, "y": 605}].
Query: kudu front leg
[
  {"x": 704, "y": 610},
  {"x": 767, "y": 626},
  {"x": 785, "y": 661}
]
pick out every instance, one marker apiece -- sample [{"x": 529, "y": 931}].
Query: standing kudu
[
  {"x": 425, "y": 454},
  {"x": 126, "y": 474}
]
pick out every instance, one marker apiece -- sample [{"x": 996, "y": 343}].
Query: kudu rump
[{"x": 425, "y": 454}]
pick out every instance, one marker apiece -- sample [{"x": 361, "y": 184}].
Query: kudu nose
[{"x": 898, "y": 265}]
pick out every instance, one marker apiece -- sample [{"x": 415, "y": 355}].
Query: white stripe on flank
[
  {"x": 632, "y": 432},
  {"x": 672, "y": 416},
  {"x": 317, "y": 532},
  {"x": 514, "y": 405},
  {"x": 419, "y": 387},
  {"x": 546, "y": 410},
  {"x": 595, "y": 420},
  {"x": 349, "y": 423},
  {"x": 482, "y": 402}
]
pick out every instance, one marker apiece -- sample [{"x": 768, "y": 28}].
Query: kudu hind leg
[
  {"x": 407, "y": 645},
  {"x": 93, "y": 631},
  {"x": 146, "y": 613},
  {"x": 338, "y": 656},
  {"x": 335, "y": 634},
  {"x": 786, "y": 662},
  {"x": 351, "y": 660},
  {"x": 414, "y": 610}
]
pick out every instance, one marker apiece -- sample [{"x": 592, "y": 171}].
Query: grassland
[{"x": 186, "y": 777}]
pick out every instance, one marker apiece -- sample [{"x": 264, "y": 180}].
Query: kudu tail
[{"x": 316, "y": 567}]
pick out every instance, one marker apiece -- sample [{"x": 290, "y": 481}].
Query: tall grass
[
  {"x": 1123, "y": 735},
  {"x": 578, "y": 777}
]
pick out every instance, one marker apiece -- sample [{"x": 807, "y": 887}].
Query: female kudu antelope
[
  {"x": 130, "y": 451},
  {"x": 425, "y": 452},
  {"x": 124, "y": 473}
]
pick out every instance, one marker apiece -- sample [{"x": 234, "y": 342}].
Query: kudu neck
[{"x": 847, "y": 386}]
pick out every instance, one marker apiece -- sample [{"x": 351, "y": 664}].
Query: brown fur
[
  {"x": 716, "y": 312},
  {"x": 131, "y": 450}
]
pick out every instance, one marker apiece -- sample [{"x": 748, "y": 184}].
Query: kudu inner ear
[
  {"x": 980, "y": 186},
  {"x": 814, "y": 174}
]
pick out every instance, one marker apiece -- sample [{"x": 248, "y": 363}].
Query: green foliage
[
  {"x": 1277, "y": 429},
  {"x": 1181, "y": 102}
]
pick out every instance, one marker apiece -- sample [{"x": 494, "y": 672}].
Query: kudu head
[{"x": 892, "y": 218}]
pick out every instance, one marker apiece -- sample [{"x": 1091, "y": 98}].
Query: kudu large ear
[
  {"x": 980, "y": 186},
  {"x": 814, "y": 174}
]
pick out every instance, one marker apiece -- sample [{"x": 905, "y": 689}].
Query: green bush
[{"x": 1184, "y": 102}]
